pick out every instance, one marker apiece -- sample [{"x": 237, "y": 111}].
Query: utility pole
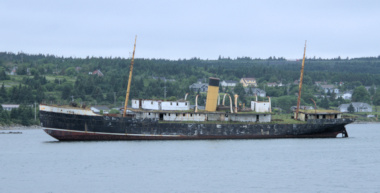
[
  {"x": 35, "y": 112},
  {"x": 72, "y": 98}
]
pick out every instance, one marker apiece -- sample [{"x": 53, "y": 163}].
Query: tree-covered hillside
[{"x": 52, "y": 79}]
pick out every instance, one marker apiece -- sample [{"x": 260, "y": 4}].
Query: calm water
[{"x": 35, "y": 162}]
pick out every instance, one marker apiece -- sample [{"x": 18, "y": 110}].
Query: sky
[{"x": 177, "y": 29}]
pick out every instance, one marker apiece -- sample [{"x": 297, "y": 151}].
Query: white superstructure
[
  {"x": 148, "y": 104},
  {"x": 260, "y": 107},
  {"x": 73, "y": 111}
]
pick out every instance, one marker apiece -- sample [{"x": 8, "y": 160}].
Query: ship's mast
[
  {"x": 300, "y": 85},
  {"x": 129, "y": 79}
]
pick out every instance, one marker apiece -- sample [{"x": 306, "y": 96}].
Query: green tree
[
  {"x": 351, "y": 108},
  {"x": 360, "y": 94},
  {"x": 21, "y": 70},
  {"x": 110, "y": 97},
  {"x": 333, "y": 96},
  {"x": 3, "y": 93},
  {"x": 324, "y": 103},
  {"x": 3, "y": 75},
  {"x": 98, "y": 94},
  {"x": 5, "y": 116},
  {"x": 307, "y": 80},
  {"x": 239, "y": 89},
  {"x": 376, "y": 98},
  {"x": 372, "y": 90},
  {"x": 66, "y": 91},
  {"x": 285, "y": 102},
  {"x": 70, "y": 71},
  {"x": 25, "y": 115},
  {"x": 14, "y": 114}
]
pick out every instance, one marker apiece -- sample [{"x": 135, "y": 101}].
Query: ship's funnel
[{"x": 212, "y": 94}]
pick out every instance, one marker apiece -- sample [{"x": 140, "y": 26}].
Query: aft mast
[
  {"x": 129, "y": 79},
  {"x": 300, "y": 85}
]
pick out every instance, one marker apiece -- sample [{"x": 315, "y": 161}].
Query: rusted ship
[
  {"x": 72, "y": 124},
  {"x": 175, "y": 120}
]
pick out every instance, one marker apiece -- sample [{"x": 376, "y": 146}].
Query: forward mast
[{"x": 129, "y": 80}]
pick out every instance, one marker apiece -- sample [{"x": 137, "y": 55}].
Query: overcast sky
[{"x": 174, "y": 29}]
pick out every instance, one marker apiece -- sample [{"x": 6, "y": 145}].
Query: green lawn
[
  {"x": 17, "y": 79},
  {"x": 51, "y": 78}
]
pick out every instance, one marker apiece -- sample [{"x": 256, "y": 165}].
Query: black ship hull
[{"x": 76, "y": 127}]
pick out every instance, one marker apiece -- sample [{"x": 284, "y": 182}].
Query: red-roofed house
[{"x": 97, "y": 72}]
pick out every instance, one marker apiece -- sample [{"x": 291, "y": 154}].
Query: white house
[
  {"x": 274, "y": 84},
  {"x": 203, "y": 87},
  {"x": 319, "y": 83},
  {"x": 347, "y": 95},
  {"x": 255, "y": 91},
  {"x": 9, "y": 107},
  {"x": 229, "y": 83},
  {"x": 330, "y": 88},
  {"x": 358, "y": 106}
]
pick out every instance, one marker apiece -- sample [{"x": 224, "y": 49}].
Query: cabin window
[
  {"x": 185, "y": 103},
  {"x": 148, "y": 113},
  {"x": 184, "y": 114},
  {"x": 176, "y": 114},
  {"x": 151, "y": 103},
  {"x": 171, "y": 103},
  {"x": 336, "y": 116},
  {"x": 191, "y": 114},
  {"x": 177, "y": 104},
  {"x": 324, "y": 117}
]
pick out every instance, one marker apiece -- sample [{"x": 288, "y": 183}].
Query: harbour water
[{"x": 35, "y": 162}]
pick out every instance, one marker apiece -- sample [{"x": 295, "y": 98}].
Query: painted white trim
[
  {"x": 103, "y": 133},
  {"x": 71, "y": 111}
]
